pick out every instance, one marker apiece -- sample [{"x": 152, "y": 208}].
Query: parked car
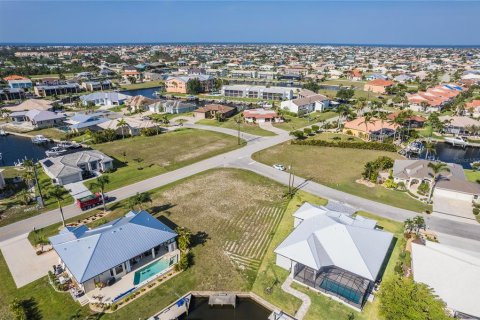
[{"x": 279, "y": 167}]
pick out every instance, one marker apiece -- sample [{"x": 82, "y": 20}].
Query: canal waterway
[
  {"x": 148, "y": 92},
  {"x": 16, "y": 148},
  {"x": 245, "y": 309}
]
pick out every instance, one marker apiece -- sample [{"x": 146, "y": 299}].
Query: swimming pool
[
  {"x": 150, "y": 270},
  {"x": 342, "y": 291}
]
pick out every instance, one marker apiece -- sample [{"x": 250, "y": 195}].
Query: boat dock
[{"x": 222, "y": 299}]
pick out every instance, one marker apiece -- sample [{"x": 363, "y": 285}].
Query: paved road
[
  {"x": 241, "y": 158},
  {"x": 45, "y": 219},
  {"x": 449, "y": 227}
]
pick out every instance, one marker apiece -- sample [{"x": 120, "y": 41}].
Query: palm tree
[
  {"x": 437, "y": 169},
  {"x": 165, "y": 119},
  {"x": 360, "y": 105},
  {"x": 418, "y": 223},
  {"x": 408, "y": 226},
  {"x": 122, "y": 124},
  {"x": 158, "y": 121},
  {"x": 343, "y": 111},
  {"x": 382, "y": 116},
  {"x": 58, "y": 192},
  {"x": 143, "y": 198},
  {"x": 368, "y": 119},
  {"x": 181, "y": 121},
  {"x": 101, "y": 183},
  {"x": 430, "y": 148},
  {"x": 184, "y": 238}
]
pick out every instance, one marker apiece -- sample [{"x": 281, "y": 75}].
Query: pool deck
[{"x": 126, "y": 283}]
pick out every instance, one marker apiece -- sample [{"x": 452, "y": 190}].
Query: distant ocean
[{"x": 75, "y": 44}]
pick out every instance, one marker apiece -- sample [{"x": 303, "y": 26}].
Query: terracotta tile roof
[
  {"x": 376, "y": 125},
  {"x": 260, "y": 114},
  {"x": 14, "y": 77},
  {"x": 380, "y": 82},
  {"x": 214, "y": 107}
]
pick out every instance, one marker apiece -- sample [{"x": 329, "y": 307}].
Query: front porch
[
  {"x": 129, "y": 282},
  {"x": 343, "y": 285}
]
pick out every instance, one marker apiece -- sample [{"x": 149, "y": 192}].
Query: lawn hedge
[{"x": 346, "y": 144}]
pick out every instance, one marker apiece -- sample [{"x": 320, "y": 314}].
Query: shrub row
[{"x": 346, "y": 144}]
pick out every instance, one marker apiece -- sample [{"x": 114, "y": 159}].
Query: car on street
[{"x": 279, "y": 167}]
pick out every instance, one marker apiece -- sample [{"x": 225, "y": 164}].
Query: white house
[
  {"x": 335, "y": 253},
  {"x": 307, "y": 102},
  {"x": 105, "y": 98},
  {"x": 452, "y": 273}
]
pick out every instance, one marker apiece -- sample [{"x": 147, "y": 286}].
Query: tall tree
[
  {"x": 122, "y": 124},
  {"x": 401, "y": 298},
  {"x": 368, "y": 119},
  {"x": 58, "y": 193},
  {"x": 437, "y": 170}
]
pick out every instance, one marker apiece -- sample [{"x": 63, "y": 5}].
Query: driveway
[
  {"x": 269, "y": 127},
  {"x": 453, "y": 209},
  {"x": 23, "y": 262},
  {"x": 77, "y": 190}
]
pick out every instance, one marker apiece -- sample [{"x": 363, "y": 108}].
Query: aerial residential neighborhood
[{"x": 239, "y": 160}]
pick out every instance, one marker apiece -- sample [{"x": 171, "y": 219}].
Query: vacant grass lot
[
  {"x": 337, "y": 168},
  {"x": 231, "y": 124},
  {"x": 12, "y": 209},
  {"x": 139, "y": 158},
  {"x": 51, "y": 133},
  {"x": 211, "y": 206},
  {"x": 142, "y": 85},
  {"x": 259, "y": 218},
  {"x": 294, "y": 123}
]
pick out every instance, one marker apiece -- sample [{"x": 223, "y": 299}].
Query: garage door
[
  {"x": 71, "y": 178},
  {"x": 453, "y": 194}
]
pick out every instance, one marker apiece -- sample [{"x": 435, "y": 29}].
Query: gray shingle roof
[
  {"x": 88, "y": 253},
  {"x": 66, "y": 165}
]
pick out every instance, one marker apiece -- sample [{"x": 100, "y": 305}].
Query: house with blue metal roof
[
  {"x": 136, "y": 247},
  {"x": 83, "y": 121}
]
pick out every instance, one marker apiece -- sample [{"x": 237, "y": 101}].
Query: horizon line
[{"x": 53, "y": 43}]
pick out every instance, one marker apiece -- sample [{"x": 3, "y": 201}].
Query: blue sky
[{"x": 379, "y": 22}]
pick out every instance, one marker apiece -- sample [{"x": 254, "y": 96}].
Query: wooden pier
[{"x": 222, "y": 299}]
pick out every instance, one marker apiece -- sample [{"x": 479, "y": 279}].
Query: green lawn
[
  {"x": 472, "y": 176},
  {"x": 13, "y": 210},
  {"x": 224, "y": 222},
  {"x": 218, "y": 216},
  {"x": 338, "y": 168},
  {"x": 43, "y": 301},
  {"x": 231, "y": 124},
  {"x": 345, "y": 82},
  {"x": 330, "y": 136},
  {"x": 270, "y": 275},
  {"x": 295, "y": 123},
  {"x": 142, "y": 85},
  {"x": 51, "y": 133},
  {"x": 146, "y": 157}
]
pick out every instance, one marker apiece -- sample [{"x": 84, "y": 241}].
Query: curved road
[{"x": 241, "y": 158}]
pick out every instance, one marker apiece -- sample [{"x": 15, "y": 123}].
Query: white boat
[
  {"x": 39, "y": 139},
  {"x": 3, "y": 133},
  {"x": 457, "y": 141},
  {"x": 68, "y": 145},
  {"x": 55, "y": 151}
]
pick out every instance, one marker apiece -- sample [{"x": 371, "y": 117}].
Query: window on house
[{"x": 119, "y": 269}]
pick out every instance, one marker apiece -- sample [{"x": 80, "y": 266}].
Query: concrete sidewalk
[
  {"x": 24, "y": 264},
  {"x": 306, "y": 302}
]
